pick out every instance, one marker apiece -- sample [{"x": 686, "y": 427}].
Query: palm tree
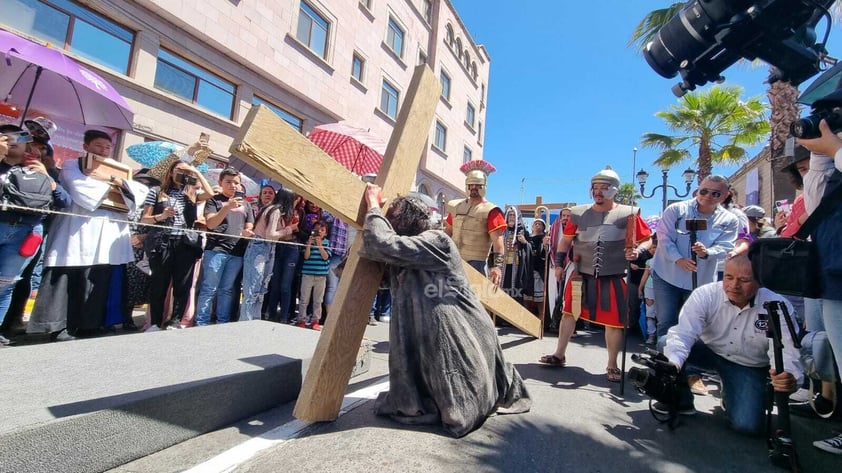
[
  {"x": 713, "y": 123},
  {"x": 781, "y": 95},
  {"x": 627, "y": 194}
]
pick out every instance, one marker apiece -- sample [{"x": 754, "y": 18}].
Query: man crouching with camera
[{"x": 722, "y": 327}]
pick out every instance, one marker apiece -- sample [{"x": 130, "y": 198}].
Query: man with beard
[
  {"x": 445, "y": 363},
  {"x": 598, "y": 233},
  {"x": 475, "y": 224}
]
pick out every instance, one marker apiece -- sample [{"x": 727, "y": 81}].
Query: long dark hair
[{"x": 283, "y": 201}]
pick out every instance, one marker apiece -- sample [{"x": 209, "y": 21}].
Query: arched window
[
  {"x": 422, "y": 188},
  {"x": 467, "y": 58},
  {"x": 474, "y": 70},
  {"x": 448, "y": 35},
  {"x": 441, "y": 202},
  {"x": 459, "y": 47}
]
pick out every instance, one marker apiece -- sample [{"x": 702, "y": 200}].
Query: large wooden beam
[{"x": 499, "y": 303}]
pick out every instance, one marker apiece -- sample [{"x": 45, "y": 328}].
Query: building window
[
  {"x": 427, "y": 7},
  {"x": 358, "y": 68},
  {"x": 441, "y": 201},
  {"x": 440, "y": 140},
  {"x": 448, "y": 35},
  {"x": 470, "y": 115},
  {"x": 474, "y": 70},
  {"x": 422, "y": 57},
  {"x": 479, "y": 133},
  {"x": 422, "y": 189},
  {"x": 194, "y": 84},
  {"x": 445, "y": 85},
  {"x": 467, "y": 154},
  {"x": 313, "y": 30},
  {"x": 293, "y": 121},
  {"x": 73, "y": 27},
  {"x": 389, "y": 97},
  {"x": 366, "y": 3},
  {"x": 394, "y": 37}
]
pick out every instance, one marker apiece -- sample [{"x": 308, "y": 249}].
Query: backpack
[{"x": 26, "y": 188}]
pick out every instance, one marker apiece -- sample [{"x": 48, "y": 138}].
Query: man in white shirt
[{"x": 719, "y": 328}]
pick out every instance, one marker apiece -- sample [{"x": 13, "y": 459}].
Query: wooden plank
[
  {"x": 329, "y": 372},
  {"x": 276, "y": 149},
  {"x": 498, "y": 302}
]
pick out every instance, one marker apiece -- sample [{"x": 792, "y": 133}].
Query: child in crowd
[
  {"x": 646, "y": 292},
  {"x": 314, "y": 276}
]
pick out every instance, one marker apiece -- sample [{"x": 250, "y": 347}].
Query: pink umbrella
[
  {"x": 359, "y": 150},
  {"x": 44, "y": 79}
]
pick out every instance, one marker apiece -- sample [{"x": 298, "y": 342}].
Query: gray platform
[{"x": 90, "y": 405}]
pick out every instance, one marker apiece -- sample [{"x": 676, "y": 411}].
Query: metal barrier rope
[{"x": 6, "y": 206}]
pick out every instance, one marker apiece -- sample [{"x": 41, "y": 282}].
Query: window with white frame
[
  {"x": 184, "y": 79},
  {"x": 389, "y": 97},
  {"x": 440, "y": 140},
  {"x": 445, "y": 85},
  {"x": 70, "y": 26},
  {"x": 395, "y": 36},
  {"x": 358, "y": 67},
  {"x": 467, "y": 154},
  {"x": 366, "y": 3},
  {"x": 313, "y": 30},
  {"x": 470, "y": 115},
  {"x": 293, "y": 121}
]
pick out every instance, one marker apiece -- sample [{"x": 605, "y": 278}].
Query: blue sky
[{"x": 567, "y": 96}]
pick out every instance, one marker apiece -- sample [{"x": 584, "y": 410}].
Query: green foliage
[
  {"x": 714, "y": 125},
  {"x": 627, "y": 194}
]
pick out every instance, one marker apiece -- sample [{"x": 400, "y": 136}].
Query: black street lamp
[{"x": 688, "y": 175}]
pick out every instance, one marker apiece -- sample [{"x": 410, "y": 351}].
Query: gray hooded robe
[{"x": 445, "y": 362}]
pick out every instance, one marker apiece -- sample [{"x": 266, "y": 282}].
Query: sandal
[
  {"x": 614, "y": 375},
  {"x": 552, "y": 360}
]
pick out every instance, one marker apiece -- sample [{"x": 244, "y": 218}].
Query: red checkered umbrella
[{"x": 360, "y": 151}]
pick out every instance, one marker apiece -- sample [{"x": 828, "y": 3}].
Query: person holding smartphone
[
  {"x": 314, "y": 270},
  {"x": 172, "y": 205},
  {"x": 222, "y": 260}
]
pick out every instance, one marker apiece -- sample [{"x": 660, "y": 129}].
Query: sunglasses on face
[{"x": 714, "y": 194}]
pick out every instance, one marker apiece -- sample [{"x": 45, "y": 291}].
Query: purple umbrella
[{"x": 44, "y": 79}]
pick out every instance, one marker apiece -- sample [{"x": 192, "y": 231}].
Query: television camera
[
  {"x": 708, "y": 36},
  {"x": 658, "y": 379}
]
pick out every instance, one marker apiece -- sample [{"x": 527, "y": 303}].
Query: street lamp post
[{"x": 689, "y": 175}]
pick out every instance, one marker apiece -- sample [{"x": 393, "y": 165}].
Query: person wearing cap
[
  {"x": 758, "y": 228},
  {"x": 475, "y": 224},
  {"x": 598, "y": 233}
]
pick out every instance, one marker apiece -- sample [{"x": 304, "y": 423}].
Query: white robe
[{"x": 88, "y": 240}]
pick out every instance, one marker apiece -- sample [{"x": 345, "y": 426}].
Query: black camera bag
[{"x": 791, "y": 266}]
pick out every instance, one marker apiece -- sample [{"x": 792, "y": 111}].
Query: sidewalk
[{"x": 578, "y": 423}]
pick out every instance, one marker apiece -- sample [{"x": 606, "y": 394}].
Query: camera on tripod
[{"x": 659, "y": 378}]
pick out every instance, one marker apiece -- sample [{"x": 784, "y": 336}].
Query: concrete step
[{"x": 94, "y": 404}]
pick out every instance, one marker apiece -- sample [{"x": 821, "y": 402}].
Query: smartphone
[
  {"x": 18, "y": 137},
  {"x": 204, "y": 138},
  {"x": 239, "y": 194},
  {"x": 783, "y": 205},
  {"x": 695, "y": 224}
]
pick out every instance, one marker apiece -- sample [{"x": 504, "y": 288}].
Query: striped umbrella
[{"x": 359, "y": 150}]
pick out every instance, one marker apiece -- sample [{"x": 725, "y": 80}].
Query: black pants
[{"x": 170, "y": 261}]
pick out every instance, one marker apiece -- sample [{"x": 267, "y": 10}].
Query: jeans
[
  {"x": 332, "y": 279},
  {"x": 256, "y": 275},
  {"x": 219, "y": 273},
  {"x": 382, "y": 305},
  {"x": 280, "y": 286},
  {"x": 311, "y": 283},
  {"x": 826, "y": 314},
  {"x": 668, "y": 300},
  {"x": 12, "y": 263},
  {"x": 745, "y": 389}
]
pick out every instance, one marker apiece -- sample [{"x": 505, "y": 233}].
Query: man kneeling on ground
[{"x": 719, "y": 329}]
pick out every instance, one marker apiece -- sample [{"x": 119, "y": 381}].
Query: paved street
[{"x": 578, "y": 423}]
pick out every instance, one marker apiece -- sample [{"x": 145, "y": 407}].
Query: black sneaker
[
  {"x": 4, "y": 342},
  {"x": 822, "y": 407},
  {"x": 661, "y": 408}
]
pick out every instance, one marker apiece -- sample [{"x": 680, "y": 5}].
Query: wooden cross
[{"x": 274, "y": 148}]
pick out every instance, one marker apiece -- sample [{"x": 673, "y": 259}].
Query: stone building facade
[{"x": 195, "y": 66}]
